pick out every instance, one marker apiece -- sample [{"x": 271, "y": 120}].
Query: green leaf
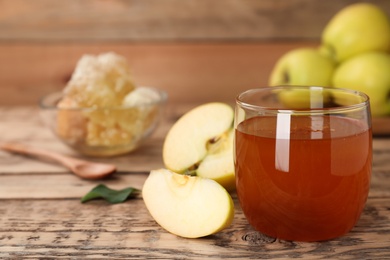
[{"x": 101, "y": 191}]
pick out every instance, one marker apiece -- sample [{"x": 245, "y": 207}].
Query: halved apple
[
  {"x": 187, "y": 206},
  {"x": 218, "y": 164},
  {"x": 201, "y": 143}
]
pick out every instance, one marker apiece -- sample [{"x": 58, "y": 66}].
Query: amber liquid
[{"x": 306, "y": 182}]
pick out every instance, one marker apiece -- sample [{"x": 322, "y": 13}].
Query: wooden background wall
[{"x": 197, "y": 50}]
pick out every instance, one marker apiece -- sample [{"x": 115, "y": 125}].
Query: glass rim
[{"x": 332, "y": 109}]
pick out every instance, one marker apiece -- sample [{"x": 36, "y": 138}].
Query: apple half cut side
[
  {"x": 218, "y": 165},
  {"x": 201, "y": 143},
  {"x": 187, "y": 206}
]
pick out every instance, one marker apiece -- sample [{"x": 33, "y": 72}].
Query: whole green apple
[
  {"x": 368, "y": 73},
  {"x": 357, "y": 28},
  {"x": 302, "y": 66}
]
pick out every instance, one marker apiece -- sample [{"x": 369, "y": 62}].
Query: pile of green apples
[{"x": 354, "y": 53}]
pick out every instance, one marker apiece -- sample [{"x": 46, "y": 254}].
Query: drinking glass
[{"x": 303, "y": 158}]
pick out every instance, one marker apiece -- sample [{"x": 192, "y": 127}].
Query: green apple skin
[
  {"x": 355, "y": 29},
  {"x": 368, "y": 73},
  {"x": 302, "y": 66}
]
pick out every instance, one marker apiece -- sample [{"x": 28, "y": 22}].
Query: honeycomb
[
  {"x": 100, "y": 81},
  {"x": 120, "y": 112}
]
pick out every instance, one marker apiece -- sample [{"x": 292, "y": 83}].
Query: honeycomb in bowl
[{"x": 112, "y": 110}]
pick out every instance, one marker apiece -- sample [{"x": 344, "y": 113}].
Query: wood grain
[
  {"x": 41, "y": 216},
  {"x": 185, "y": 71},
  {"x": 169, "y": 20},
  {"x": 66, "y": 228},
  {"x": 185, "y": 48}
]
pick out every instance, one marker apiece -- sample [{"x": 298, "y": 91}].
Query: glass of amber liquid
[{"x": 303, "y": 160}]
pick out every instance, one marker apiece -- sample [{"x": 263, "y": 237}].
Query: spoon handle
[{"x": 33, "y": 151}]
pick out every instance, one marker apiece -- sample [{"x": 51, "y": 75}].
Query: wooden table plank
[
  {"x": 48, "y": 185},
  {"x": 41, "y": 215},
  {"x": 140, "y": 20},
  {"x": 67, "y": 186},
  {"x": 96, "y": 229}
]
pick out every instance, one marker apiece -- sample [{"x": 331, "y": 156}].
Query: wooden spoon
[{"x": 83, "y": 169}]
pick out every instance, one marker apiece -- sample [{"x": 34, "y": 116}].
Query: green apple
[
  {"x": 357, "y": 28},
  {"x": 201, "y": 143},
  {"x": 368, "y": 73},
  {"x": 302, "y": 66},
  {"x": 187, "y": 206},
  {"x": 305, "y": 67},
  {"x": 304, "y": 98}
]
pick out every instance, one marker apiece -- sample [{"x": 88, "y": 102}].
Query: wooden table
[{"x": 41, "y": 215}]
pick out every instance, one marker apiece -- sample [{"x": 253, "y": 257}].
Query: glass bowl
[{"x": 102, "y": 132}]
